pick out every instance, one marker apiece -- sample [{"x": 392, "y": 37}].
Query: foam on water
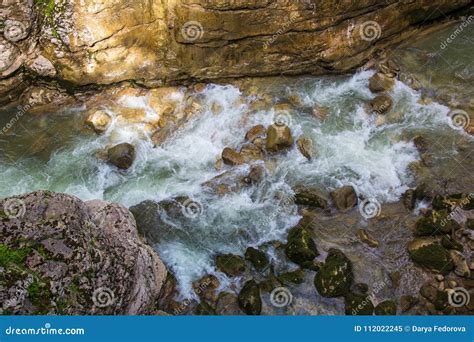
[{"x": 352, "y": 149}]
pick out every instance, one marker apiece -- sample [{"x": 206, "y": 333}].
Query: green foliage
[{"x": 13, "y": 256}]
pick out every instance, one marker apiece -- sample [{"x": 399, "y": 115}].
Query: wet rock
[
  {"x": 231, "y": 157},
  {"x": 420, "y": 143},
  {"x": 356, "y": 305},
  {"x": 268, "y": 285},
  {"x": 449, "y": 243},
  {"x": 51, "y": 243},
  {"x": 320, "y": 112},
  {"x": 435, "y": 223},
  {"x": 249, "y": 298},
  {"x": 312, "y": 197},
  {"x": 470, "y": 224},
  {"x": 230, "y": 264},
  {"x": 409, "y": 199},
  {"x": 388, "y": 68},
  {"x": 381, "y": 104},
  {"x": 437, "y": 297},
  {"x": 407, "y": 302},
  {"x": 300, "y": 247},
  {"x": 256, "y": 174},
  {"x": 227, "y": 305},
  {"x": 258, "y": 258},
  {"x": 255, "y": 132},
  {"x": 305, "y": 146},
  {"x": 99, "y": 121},
  {"x": 429, "y": 253},
  {"x": 279, "y": 138},
  {"x": 461, "y": 268},
  {"x": 249, "y": 152},
  {"x": 387, "y": 307},
  {"x": 366, "y": 238},
  {"x": 234, "y": 180},
  {"x": 344, "y": 198},
  {"x": 380, "y": 82},
  {"x": 206, "y": 288},
  {"x": 410, "y": 80},
  {"x": 121, "y": 155},
  {"x": 204, "y": 309},
  {"x": 335, "y": 276},
  {"x": 360, "y": 288},
  {"x": 294, "y": 277},
  {"x": 149, "y": 217}
]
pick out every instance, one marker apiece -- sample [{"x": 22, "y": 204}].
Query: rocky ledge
[
  {"x": 59, "y": 255},
  {"x": 161, "y": 42}
]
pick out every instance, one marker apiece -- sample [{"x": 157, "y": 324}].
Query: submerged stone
[
  {"x": 388, "y": 307},
  {"x": 230, "y": 264}
]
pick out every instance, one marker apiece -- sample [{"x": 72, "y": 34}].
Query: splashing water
[{"x": 352, "y": 148}]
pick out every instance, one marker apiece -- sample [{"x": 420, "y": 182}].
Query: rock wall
[
  {"x": 81, "y": 42},
  {"x": 59, "y": 255}
]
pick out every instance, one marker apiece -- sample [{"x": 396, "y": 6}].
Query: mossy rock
[
  {"x": 249, "y": 298},
  {"x": 204, "y": 309},
  {"x": 435, "y": 223},
  {"x": 449, "y": 243},
  {"x": 294, "y": 277},
  {"x": 470, "y": 224},
  {"x": 335, "y": 276},
  {"x": 300, "y": 247},
  {"x": 230, "y": 264},
  {"x": 437, "y": 297},
  {"x": 387, "y": 308},
  {"x": 258, "y": 258},
  {"x": 358, "y": 305},
  {"x": 429, "y": 253}
]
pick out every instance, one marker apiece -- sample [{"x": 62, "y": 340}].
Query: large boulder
[
  {"x": 60, "y": 255},
  {"x": 279, "y": 138},
  {"x": 428, "y": 252},
  {"x": 121, "y": 155},
  {"x": 386, "y": 308},
  {"x": 300, "y": 247},
  {"x": 335, "y": 277},
  {"x": 344, "y": 198},
  {"x": 249, "y": 298}
]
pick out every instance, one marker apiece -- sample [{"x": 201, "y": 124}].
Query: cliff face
[{"x": 161, "y": 41}]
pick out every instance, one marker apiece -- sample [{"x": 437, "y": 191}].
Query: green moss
[
  {"x": 257, "y": 258},
  {"x": 9, "y": 256},
  {"x": 300, "y": 248},
  {"x": 433, "y": 256},
  {"x": 295, "y": 277},
  {"x": 49, "y": 8},
  {"x": 387, "y": 307},
  {"x": 335, "y": 276},
  {"x": 40, "y": 296}
]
